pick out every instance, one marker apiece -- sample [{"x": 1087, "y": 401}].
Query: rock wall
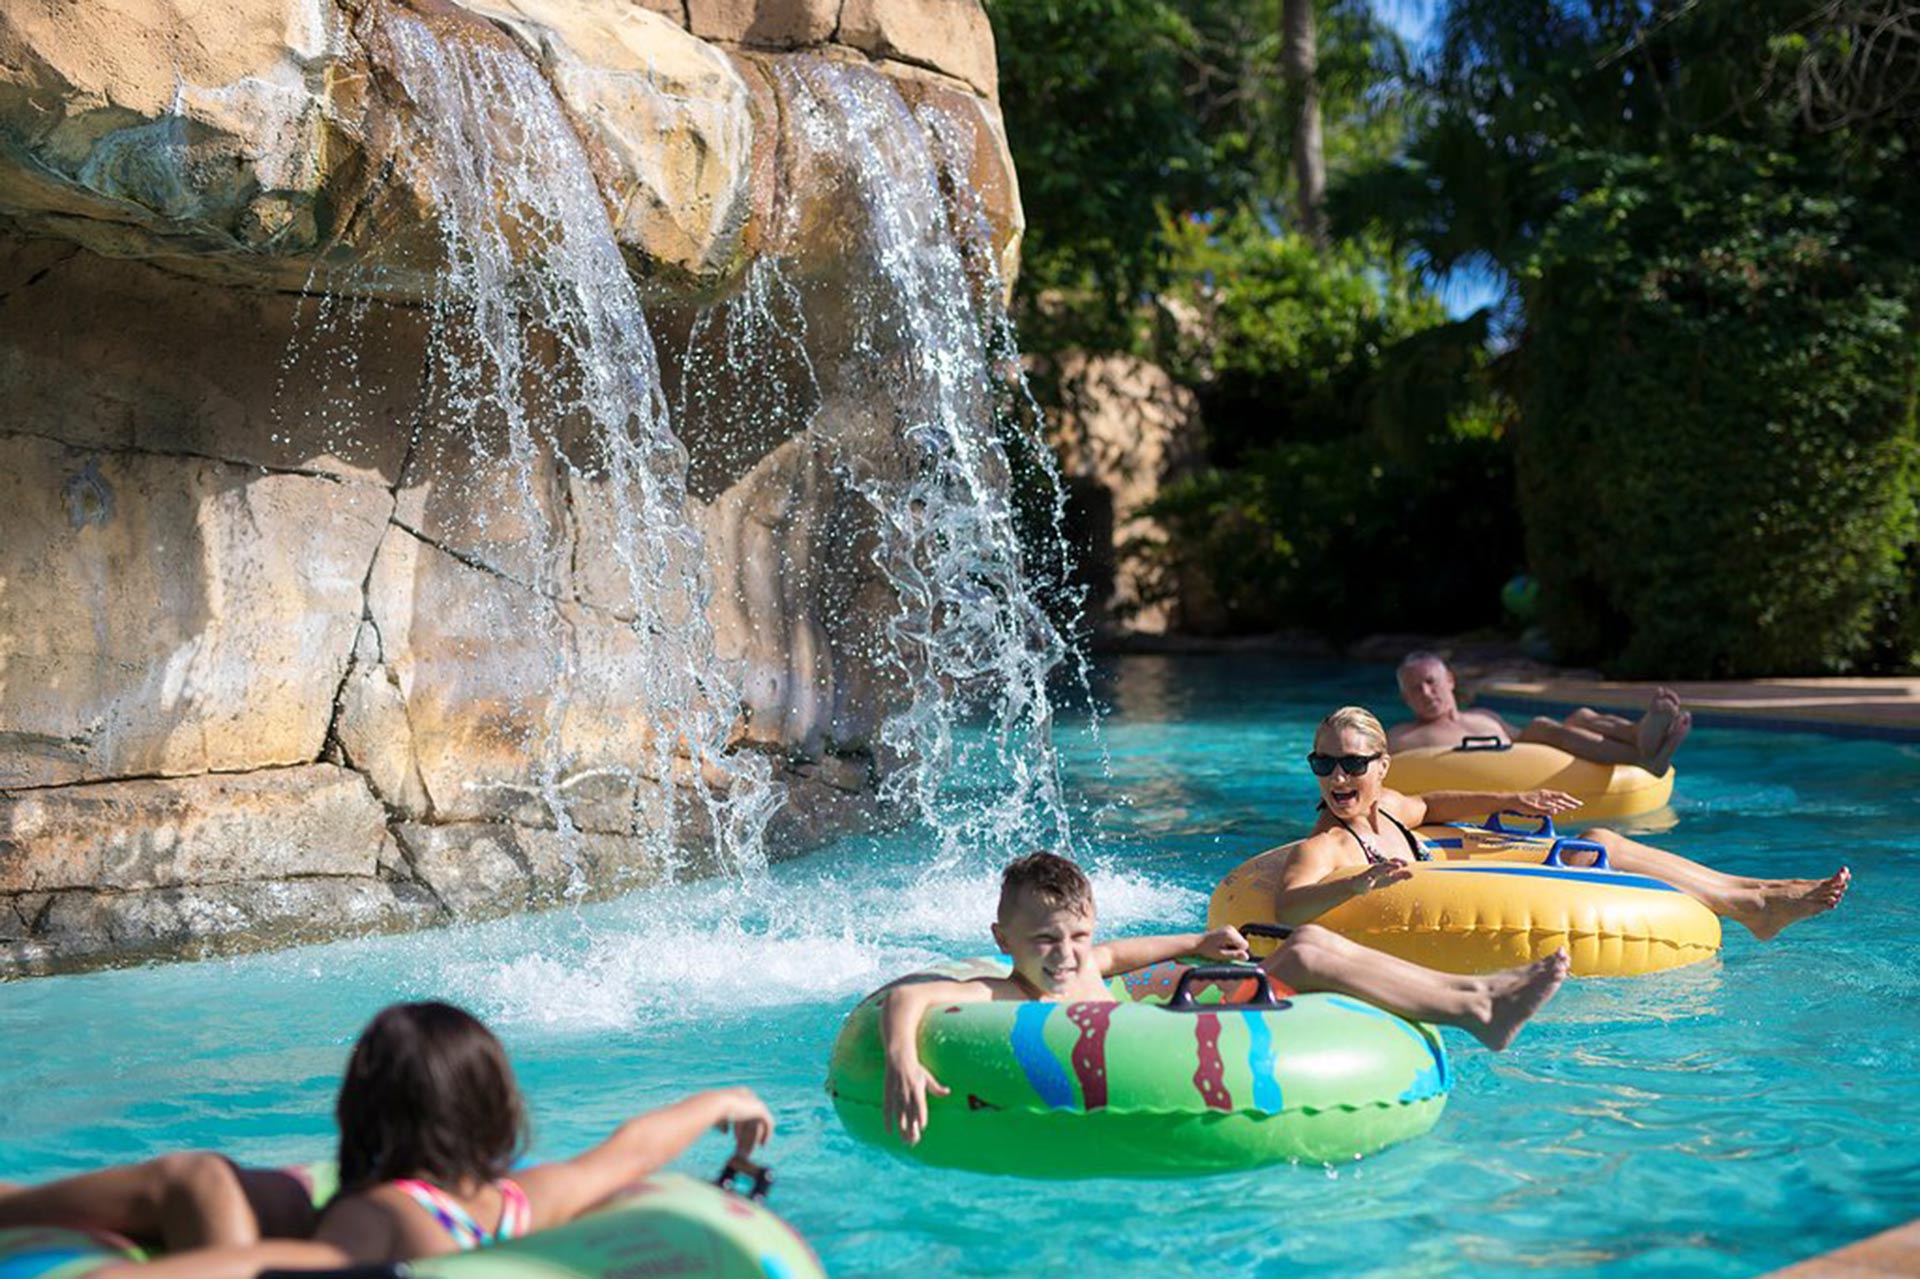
[
  {"x": 253, "y": 688},
  {"x": 1126, "y": 429}
]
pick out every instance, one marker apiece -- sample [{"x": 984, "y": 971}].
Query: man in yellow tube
[{"x": 1427, "y": 687}]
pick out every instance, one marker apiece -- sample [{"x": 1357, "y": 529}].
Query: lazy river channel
[{"x": 1722, "y": 1119}]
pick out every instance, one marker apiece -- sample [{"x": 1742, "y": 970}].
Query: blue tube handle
[
  {"x": 1568, "y": 844},
  {"x": 1546, "y": 830}
]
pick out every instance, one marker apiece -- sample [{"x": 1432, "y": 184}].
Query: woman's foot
[
  {"x": 1772, "y": 904},
  {"x": 1515, "y": 994}
]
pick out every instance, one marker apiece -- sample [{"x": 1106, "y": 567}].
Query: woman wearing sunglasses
[{"x": 1364, "y": 840}]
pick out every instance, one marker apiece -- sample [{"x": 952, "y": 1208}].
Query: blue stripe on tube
[
  {"x": 1266, "y": 1088},
  {"x": 1045, "y": 1074}
]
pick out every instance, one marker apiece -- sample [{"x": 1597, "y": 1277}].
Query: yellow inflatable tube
[
  {"x": 1496, "y": 899},
  {"x": 1606, "y": 792}
]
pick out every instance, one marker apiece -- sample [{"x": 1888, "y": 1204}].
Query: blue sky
[{"x": 1467, "y": 288}]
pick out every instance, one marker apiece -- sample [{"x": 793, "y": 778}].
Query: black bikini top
[{"x": 1373, "y": 858}]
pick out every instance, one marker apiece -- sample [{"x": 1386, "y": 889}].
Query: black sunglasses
[{"x": 1351, "y": 765}]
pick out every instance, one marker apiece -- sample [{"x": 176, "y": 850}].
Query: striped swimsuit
[{"x": 515, "y": 1215}]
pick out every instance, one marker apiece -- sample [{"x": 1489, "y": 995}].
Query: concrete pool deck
[{"x": 1843, "y": 707}]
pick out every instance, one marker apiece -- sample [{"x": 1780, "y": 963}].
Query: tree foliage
[{"x": 1715, "y": 374}]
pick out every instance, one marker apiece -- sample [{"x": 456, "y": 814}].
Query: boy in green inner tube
[{"x": 1045, "y": 925}]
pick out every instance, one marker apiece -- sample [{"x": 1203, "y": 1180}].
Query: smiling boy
[{"x": 1046, "y": 927}]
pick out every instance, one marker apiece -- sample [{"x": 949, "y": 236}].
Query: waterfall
[
  {"x": 544, "y": 369},
  {"x": 544, "y": 372},
  {"x": 970, "y": 645}
]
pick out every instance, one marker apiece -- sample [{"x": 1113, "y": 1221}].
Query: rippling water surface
[{"x": 1719, "y": 1120}]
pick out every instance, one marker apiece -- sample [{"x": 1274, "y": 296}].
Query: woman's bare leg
[
  {"x": 182, "y": 1201},
  {"x": 1762, "y": 906},
  {"x": 1491, "y": 1007}
]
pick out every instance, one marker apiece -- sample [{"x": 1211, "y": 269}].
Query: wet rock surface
[{"x": 254, "y": 688}]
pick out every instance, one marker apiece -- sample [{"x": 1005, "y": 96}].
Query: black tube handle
[
  {"x": 1182, "y": 999},
  {"x": 1483, "y": 742},
  {"x": 1266, "y": 932},
  {"x": 377, "y": 1270},
  {"x": 759, "y": 1178}
]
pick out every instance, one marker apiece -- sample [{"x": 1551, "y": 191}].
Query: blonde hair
[{"x": 1360, "y": 720}]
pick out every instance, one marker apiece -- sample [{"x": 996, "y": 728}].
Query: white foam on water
[{"x": 712, "y": 951}]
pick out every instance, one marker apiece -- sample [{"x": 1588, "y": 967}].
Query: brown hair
[
  {"x": 1360, "y": 720},
  {"x": 1051, "y": 880},
  {"x": 428, "y": 1093}
]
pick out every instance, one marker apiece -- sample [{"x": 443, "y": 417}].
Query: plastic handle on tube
[
  {"x": 1262, "y": 931},
  {"x": 1182, "y": 1000},
  {"x": 759, "y": 1177},
  {"x": 1546, "y": 830},
  {"x": 1479, "y": 742},
  {"x": 1555, "y": 855}
]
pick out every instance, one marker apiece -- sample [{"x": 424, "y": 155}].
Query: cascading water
[
  {"x": 971, "y": 639},
  {"x": 544, "y": 368},
  {"x": 545, "y": 371}
]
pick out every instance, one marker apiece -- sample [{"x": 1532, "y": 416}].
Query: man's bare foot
[
  {"x": 1775, "y": 903},
  {"x": 1517, "y": 994},
  {"x": 1662, "y": 758},
  {"x": 1652, "y": 730}
]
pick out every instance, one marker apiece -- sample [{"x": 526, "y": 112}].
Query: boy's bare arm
[
  {"x": 907, "y": 1081},
  {"x": 1128, "y": 953}
]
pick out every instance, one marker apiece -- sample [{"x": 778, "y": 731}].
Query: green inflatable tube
[
  {"x": 667, "y": 1224},
  {"x": 1136, "y": 1089}
]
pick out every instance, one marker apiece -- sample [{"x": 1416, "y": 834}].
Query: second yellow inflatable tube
[{"x": 1607, "y": 792}]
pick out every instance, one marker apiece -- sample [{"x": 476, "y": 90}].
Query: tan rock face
[
  {"x": 775, "y": 24},
  {"x": 121, "y": 871},
  {"x": 207, "y": 126},
  {"x": 1127, "y": 431},
  {"x": 971, "y": 138},
  {"x": 123, "y": 356},
  {"x": 240, "y": 548},
  {"x": 669, "y": 115},
  {"x": 171, "y": 615},
  {"x": 952, "y": 36},
  {"x": 783, "y": 542},
  {"x": 235, "y": 141},
  {"x": 133, "y": 836}
]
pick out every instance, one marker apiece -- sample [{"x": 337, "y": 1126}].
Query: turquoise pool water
[{"x": 1719, "y": 1120}]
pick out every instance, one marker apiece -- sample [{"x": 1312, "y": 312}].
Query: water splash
[
  {"x": 971, "y": 638},
  {"x": 544, "y": 371}
]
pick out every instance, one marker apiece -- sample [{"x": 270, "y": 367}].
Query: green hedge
[
  {"x": 1336, "y": 539},
  {"x": 1717, "y": 448}
]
